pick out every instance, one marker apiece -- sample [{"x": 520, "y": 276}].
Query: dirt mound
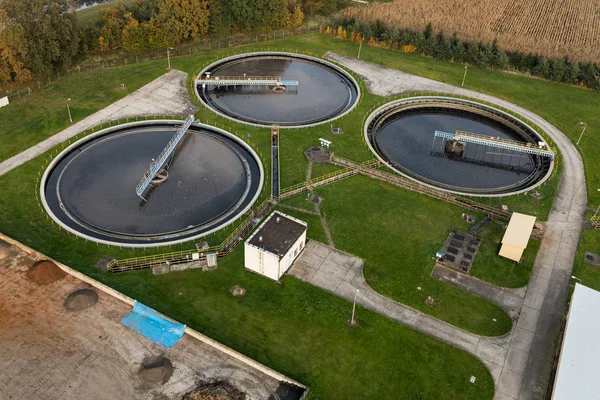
[
  {"x": 215, "y": 391},
  {"x": 81, "y": 299},
  {"x": 157, "y": 369},
  {"x": 45, "y": 272}
]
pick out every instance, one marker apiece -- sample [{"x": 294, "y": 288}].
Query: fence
[{"x": 119, "y": 60}]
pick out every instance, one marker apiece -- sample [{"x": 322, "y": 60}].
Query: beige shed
[{"x": 517, "y": 236}]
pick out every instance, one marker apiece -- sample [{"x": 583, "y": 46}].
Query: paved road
[
  {"x": 166, "y": 95},
  {"x": 520, "y": 362}
]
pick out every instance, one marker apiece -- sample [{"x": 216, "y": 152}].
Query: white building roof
[
  {"x": 577, "y": 375},
  {"x": 519, "y": 230}
]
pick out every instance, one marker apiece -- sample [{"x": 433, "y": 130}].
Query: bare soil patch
[
  {"x": 215, "y": 391},
  {"x": 156, "y": 369},
  {"x": 81, "y": 299},
  {"x": 45, "y": 272}
]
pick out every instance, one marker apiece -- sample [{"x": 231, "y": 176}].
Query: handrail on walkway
[{"x": 162, "y": 158}]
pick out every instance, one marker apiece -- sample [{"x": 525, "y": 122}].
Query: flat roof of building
[
  {"x": 278, "y": 233},
  {"x": 577, "y": 374},
  {"x": 519, "y": 230}
]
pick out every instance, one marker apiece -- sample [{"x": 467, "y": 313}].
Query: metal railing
[
  {"x": 419, "y": 188},
  {"x": 162, "y": 157},
  {"x": 186, "y": 256},
  {"x": 501, "y": 143}
]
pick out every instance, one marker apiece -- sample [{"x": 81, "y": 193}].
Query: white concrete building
[
  {"x": 579, "y": 362},
  {"x": 271, "y": 250}
]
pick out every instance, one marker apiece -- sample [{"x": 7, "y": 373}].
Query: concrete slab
[
  {"x": 534, "y": 300},
  {"x": 516, "y": 360},
  {"x": 318, "y": 249},
  {"x": 302, "y": 271},
  {"x": 334, "y": 269},
  {"x": 528, "y": 319},
  {"x": 491, "y": 352},
  {"x": 325, "y": 281},
  {"x": 522, "y": 339},
  {"x": 342, "y": 259},
  {"x": 510, "y": 383}
]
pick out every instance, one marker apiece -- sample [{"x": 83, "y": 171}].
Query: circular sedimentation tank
[
  {"x": 90, "y": 187},
  {"x": 324, "y": 92},
  {"x": 402, "y": 135}
]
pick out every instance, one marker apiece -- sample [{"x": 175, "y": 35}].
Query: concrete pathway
[
  {"x": 525, "y": 355},
  {"x": 342, "y": 274},
  {"x": 166, "y": 95},
  {"x": 510, "y": 300}
]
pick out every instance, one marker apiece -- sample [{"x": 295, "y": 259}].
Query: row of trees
[
  {"x": 38, "y": 37},
  {"x": 489, "y": 55},
  {"x": 151, "y": 24}
]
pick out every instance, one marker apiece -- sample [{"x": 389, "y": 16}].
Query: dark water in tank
[
  {"x": 406, "y": 140},
  {"x": 322, "y": 92},
  {"x": 206, "y": 178}
]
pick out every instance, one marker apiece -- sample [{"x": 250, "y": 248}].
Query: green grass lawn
[
  {"x": 91, "y": 15},
  {"x": 394, "y": 232},
  {"x": 589, "y": 274},
  {"x": 294, "y": 328},
  {"x": 490, "y": 267},
  {"x": 34, "y": 118},
  {"x": 562, "y": 105}
]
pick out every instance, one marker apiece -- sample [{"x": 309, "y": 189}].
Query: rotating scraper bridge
[{"x": 261, "y": 82}]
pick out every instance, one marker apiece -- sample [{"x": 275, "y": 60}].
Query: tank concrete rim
[
  {"x": 115, "y": 128},
  {"x": 283, "y": 54},
  {"x": 399, "y": 102}
]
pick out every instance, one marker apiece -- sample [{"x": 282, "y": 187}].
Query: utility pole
[
  {"x": 464, "y": 76},
  {"x": 584, "y": 125}
]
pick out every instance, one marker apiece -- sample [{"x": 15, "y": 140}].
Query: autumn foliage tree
[
  {"x": 182, "y": 19},
  {"x": 45, "y": 34},
  {"x": 12, "y": 48}
]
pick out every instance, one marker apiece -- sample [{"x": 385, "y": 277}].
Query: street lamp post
[
  {"x": 464, "y": 76},
  {"x": 574, "y": 277},
  {"x": 352, "y": 320},
  {"x": 584, "y": 125},
  {"x": 69, "y": 110},
  {"x": 169, "y": 56},
  {"x": 359, "y": 47}
]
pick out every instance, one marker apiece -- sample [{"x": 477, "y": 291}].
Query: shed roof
[
  {"x": 577, "y": 374},
  {"x": 278, "y": 235},
  {"x": 519, "y": 230}
]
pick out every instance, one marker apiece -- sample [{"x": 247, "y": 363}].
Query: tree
[
  {"x": 457, "y": 48},
  {"x": 572, "y": 72},
  {"x": 113, "y": 22},
  {"x": 12, "y": 43},
  {"x": 443, "y": 49},
  {"x": 297, "y": 17},
  {"x": 133, "y": 36},
  {"x": 49, "y": 30},
  {"x": 541, "y": 68},
  {"x": 183, "y": 19},
  {"x": 557, "y": 68}
]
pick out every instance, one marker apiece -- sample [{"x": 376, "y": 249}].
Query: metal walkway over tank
[
  {"x": 246, "y": 81},
  {"x": 162, "y": 158},
  {"x": 505, "y": 144}
]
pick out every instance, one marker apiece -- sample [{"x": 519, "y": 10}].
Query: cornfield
[{"x": 549, "y": 27}]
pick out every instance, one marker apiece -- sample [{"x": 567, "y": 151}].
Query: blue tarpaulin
[{"x": 150, "y": 324}]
